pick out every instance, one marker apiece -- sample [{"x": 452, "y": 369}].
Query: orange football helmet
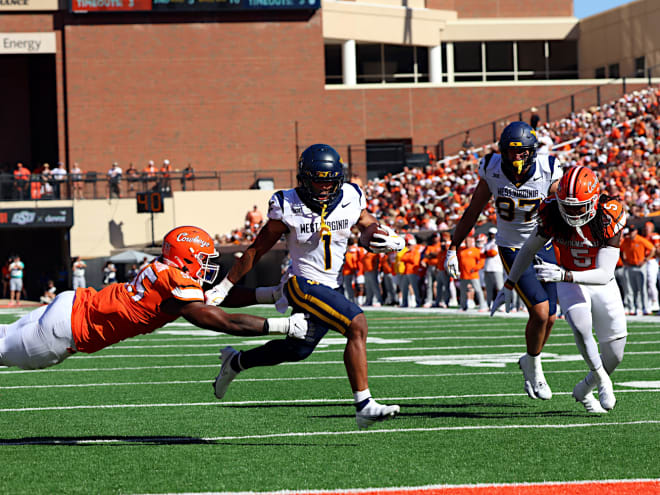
[
  {"x": 578, "y": 195},
  {"x": 191, "y": 249}
]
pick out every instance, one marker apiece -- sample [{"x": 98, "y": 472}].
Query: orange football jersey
[
  {"x": 120, "y": 311},
  {"x": 574, "y": 253}
]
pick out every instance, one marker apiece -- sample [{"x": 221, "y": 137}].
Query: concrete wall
[
  {"x": 619, "y": 36},
  {"x": 103, "y": 226}
]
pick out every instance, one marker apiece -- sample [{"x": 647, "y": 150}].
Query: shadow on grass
[{"x": 123, "y": 441}]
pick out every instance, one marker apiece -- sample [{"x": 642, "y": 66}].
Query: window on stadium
[
  {"x": 499, "y": 61},
  {"x": 599, "y": 73},
  {"x": 613, "y": 71},
  {"x": 382, "y": 63},
  {"x": 333, "y": 67},
  {"x": 467, "y": 61}
]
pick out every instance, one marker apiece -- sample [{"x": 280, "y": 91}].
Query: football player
[
  {"x": 518, "y": 181},
  {"x": 316, "y": 219},
  {"x": 86, "y": 321},
  {"x": 586, "y": 228}
]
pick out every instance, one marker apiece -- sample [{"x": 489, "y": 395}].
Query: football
[{"x": 367, "y": 236}]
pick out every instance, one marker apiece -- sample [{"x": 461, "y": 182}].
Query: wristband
[{"x": 508, "y": 284}]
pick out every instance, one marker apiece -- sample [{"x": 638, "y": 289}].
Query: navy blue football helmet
[
  {"x": 319, "y": 163},
  {"x": 518, "y": 136}
]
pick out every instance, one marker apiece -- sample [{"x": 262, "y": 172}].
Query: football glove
[
  {"x": 504, "y": 296},
  {"x": 295, "y": 326},
  {"x": 451, "y": 264},
  {"x": 386, "y": 243},
  {"x": 217, "y": 294},
  {"x": 547, "y": 272}
]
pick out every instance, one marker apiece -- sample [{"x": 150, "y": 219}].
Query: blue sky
[{"x": 585, "y": 8}]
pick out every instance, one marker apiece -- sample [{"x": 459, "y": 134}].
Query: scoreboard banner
[
  {"x": 85, "y": 6},
  {"x": 36, "y": 217}
]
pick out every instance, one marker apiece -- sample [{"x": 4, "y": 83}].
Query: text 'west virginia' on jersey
[
  {"x": 120, "y": 311},
  {"x": 517, "y": 205},
  {"x": 575, "y": 252},
  {"x": 317, "y": 245}
]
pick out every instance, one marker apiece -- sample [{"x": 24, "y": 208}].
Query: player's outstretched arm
[
  {"x": 266, "y": 239},
  {"x": 243, "y": 325}
]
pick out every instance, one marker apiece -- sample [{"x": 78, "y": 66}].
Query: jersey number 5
[{"x": 137, "y": 284}]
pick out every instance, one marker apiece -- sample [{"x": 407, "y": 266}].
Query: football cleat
[
  {"x": 582, "y": 393},
  {"x": 374, "y": 412},
  {"x": 605, "y": 389},
  {"x": 535, "y": 384},
  {"x": 227, "y": 373}
]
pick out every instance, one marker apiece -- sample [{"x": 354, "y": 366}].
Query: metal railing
[{"x": 96, "y": 185}]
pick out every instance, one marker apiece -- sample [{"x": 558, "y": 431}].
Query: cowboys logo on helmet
[
  {"x": 320, "y": 175},
  {"x": 518, "y": 146}
]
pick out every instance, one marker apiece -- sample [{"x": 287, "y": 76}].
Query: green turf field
[{"x": 141, "y": 417}]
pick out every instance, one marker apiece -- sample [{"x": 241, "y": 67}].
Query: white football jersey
[
  {"x": 517, "y": 207},
  {"x": 315, "y": 253}
]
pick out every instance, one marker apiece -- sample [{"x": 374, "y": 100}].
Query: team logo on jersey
[
  {"x": 297, "y": 209},
  {"x": 184, "y": 237}
]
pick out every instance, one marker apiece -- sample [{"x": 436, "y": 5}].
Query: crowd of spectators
[{"x": 46, "y": 182}]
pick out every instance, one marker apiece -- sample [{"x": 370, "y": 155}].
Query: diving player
[
  {"x": 588, "y": 241},
  {"x": 518, "y": 181},
  {"x": 316, "y": 218},
  {"x": 171, "y": 286}
]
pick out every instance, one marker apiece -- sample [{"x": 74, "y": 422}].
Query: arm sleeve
[
  {"x": 604, "y": 272},
  {"x": 526, "y": 256}
]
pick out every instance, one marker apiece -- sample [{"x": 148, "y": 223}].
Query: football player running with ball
[
  {"x": 588, "y": 240},
  {"x": 87, "y": 321},
  {"x": 518, "y": 181},
  {"x": 316, "y": 219}
]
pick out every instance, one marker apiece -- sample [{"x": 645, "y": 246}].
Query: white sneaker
[
  {"x": 605, "y": 389},
  {"x": 582, "y": 393},
  {"x": 227, "y": 373},
  {"x": 374, "y": 412},
  {"x": 535, "y": 384}
]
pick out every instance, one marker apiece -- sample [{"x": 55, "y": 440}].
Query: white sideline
[{"x": 423, "y": 488}]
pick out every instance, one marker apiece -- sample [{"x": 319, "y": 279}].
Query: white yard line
[
  {"x": 619, "y": 371},
  {"x": 284, "y": 402}
]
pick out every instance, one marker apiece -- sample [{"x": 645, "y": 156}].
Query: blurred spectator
[
  {"x": 373, "y": 296},
  {"x": 16, "y": 280},
  {"x": 165, "y": 176},
  {"x": 109, "y": 273},
  {"x": 22, "y": 181},
  {"x": 534, "y": 117},
  {"x": 411, "y": 276},
  {"x": 253, "y": 219},
  {"x": 636, "y": 251},
  {"x": 493, "y": 269},
  {"x": 77, "y": 181},
  {"x": 387, "y": 263},
  {"x": 188, "y": 176},
  {"x": 49, "y": 293},
  {"x": 352, "y": 267},
  {"x": 430, "y": 262},
  {"x": 355, "y": 179},
  {"x": 59, "y": 177},
  {"x": 114, "y": 178},
  {"x": 78, "y": 268},
  {"x": 470, "y": 262},
  {"x": 132, "y": 272},
  {"x": 46, "y": 182},
  {"x": 652, "y": 265},
  {"x": 132, "y": 176},
  {"x": 5, "y": 278},
  {"x": 467, "y": 141}
]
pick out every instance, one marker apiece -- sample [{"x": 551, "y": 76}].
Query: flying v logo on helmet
[{"x": 184, "y": 237}]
